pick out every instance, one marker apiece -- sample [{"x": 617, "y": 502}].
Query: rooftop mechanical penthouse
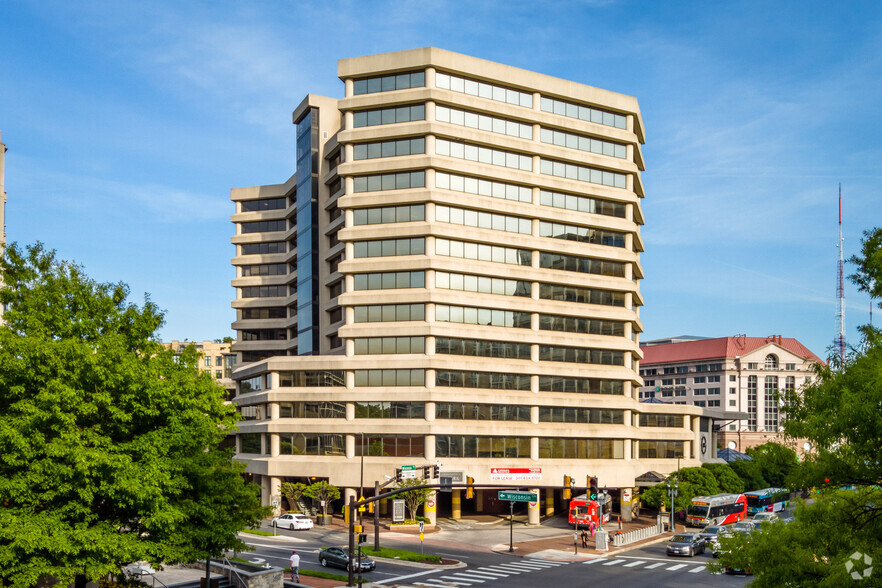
[{"x": 452, "y": 275}]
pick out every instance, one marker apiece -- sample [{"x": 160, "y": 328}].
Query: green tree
[
  {"x": 108, "y": 444},
  {"x": 691, "y": 482},
  {"x": 726, "y": 478},
  {"x": 839, "y": 415},
  {"x": 775, "y": 462},
  {"x": 414, "y": 499},
  {"x": 293, "y": 492},
  {"x": 323, "y": 493},
  {"x": 750, "y": 473}
]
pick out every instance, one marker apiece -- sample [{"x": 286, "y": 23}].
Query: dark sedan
[
  {"x": 687, "y": 544},
  {"x": 337, "y": 557}
]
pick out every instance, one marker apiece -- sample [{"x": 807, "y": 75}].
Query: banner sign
[{"x": 514, "y": 474}]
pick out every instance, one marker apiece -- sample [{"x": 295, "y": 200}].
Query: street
[{"x": 485, "y": 567}]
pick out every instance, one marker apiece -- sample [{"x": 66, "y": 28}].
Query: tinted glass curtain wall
[{"x": 307, "y": 234}]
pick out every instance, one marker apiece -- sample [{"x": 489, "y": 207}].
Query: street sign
[
  {"x": 397, "y": 511},
  {"x": 446, "y": 483},
  {"x": 422, "y": 527},
  {"x": 408, "y": 472},
  {"x": 516, "y": 496}
]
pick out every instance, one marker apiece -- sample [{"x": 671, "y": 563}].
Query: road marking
[
  {"x": 655, "y": 565},
  {"x": 594, "y": 561},
  {"x": 524, "y": 566},
  {"x": 405, "y": 577},
  {"x": 503, "y": 570},
  {"x": 696, "y": 570},
  {"x": 633, "y": 563},
  {"x": 613, "y": 562},
  {"x": 676, "y": 567},
  {"x": 506, "y": 570},
  {"x": 645, "y": 558},
  {"x": 493, "y": 572},
  {"x": 481, "y": 575},
  {"x": 455, "y": 580}
]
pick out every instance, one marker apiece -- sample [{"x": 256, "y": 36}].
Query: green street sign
[
  {"x": 514, "y": 496},
  {"x": 408, "y": 468}
]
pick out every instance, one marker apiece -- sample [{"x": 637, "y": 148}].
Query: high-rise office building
[{"x": 451, "y": 275}]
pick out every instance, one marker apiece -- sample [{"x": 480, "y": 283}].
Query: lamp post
[{"x": 672, "y": 490}]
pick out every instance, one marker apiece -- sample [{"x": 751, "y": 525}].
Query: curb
[{"x": 417, "y": 564}]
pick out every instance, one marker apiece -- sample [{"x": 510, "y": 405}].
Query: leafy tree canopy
[
  {"x": 726, "y": 477},
  {"x": 775, "y": 462},
  {"x": 414, "y": 499},
  {"x": 323, "y": 493},
  {"x": 108, "y": 442},
  {"x": 751, "y": 474},
  {"x": 839, "y": 413}
]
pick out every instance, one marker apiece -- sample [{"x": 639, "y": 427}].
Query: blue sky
[{"x": 128, "y": 123}]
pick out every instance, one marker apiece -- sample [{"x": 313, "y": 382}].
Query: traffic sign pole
[{"x": 510, "y": 526}]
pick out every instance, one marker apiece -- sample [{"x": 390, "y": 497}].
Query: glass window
[
  {"x": 550, "y": 322},
  {"x": 385, "y": 116},
  {"x": 389, "y": 83},
  {"x": 583, "y": 143},
  {"x": 483, "y": 155},
  {"x": 483, "y": 90},
  {"x": 586, "y": 265},
  {"x": 582, "y": 173}
]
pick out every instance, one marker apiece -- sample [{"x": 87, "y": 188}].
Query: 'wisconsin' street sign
[{"x": 515, "y": 496}]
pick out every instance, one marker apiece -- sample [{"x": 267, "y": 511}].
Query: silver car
[
  {"x": 686, "y": 544},
  {"x": 711, "y": 536}
]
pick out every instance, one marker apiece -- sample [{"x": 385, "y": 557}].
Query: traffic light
[
  {"x": 362, "y": 537},
  {"x": 370, "y": 507},
  {"x": 568, "y": 488},
  {"x": 470, "y": 492},
  {"x": 593, "y": 491},
  {"x": 436, "y": 472}
]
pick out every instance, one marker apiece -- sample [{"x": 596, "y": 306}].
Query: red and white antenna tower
[{"x": 840, "y": 289}]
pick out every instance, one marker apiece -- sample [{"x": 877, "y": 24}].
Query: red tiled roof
[{"x": 719, "y": 348}]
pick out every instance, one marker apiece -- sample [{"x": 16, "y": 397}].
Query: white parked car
[
  {"x": 293, "y": 521},
  {"x": 765, "y": 516}
]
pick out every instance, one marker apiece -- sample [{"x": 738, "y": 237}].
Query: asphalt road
[{"x": 646, "y": 566}]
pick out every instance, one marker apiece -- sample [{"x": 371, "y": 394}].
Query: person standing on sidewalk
[{"x": 295, "y": 566}]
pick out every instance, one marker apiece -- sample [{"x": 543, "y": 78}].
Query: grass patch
[
  {"x": 400, "y": 554},
  {"x": 258, "y": 532}
]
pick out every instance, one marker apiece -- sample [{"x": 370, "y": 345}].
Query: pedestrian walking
[
  {"x": 295, "y": 566},
  {"x": 584, "y": 538},
  {"x": 593, "y": 527}
]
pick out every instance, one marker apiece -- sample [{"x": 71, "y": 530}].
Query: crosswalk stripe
[
  {"x": 655, "y": 565},
  {"x": 458, "y": 581},
  {"x": 696, "y": 570},
  {"x": 431, "y": 585},
  {"x": 613, "y": 562},
  {"x": 634, "y": 563},
  {"x": 464, "y": 578},
  {"x": 675, "y": 567},
  {"x": 524, "y": 566},
  {"x": 480, "y": 575},
  {"x": 502, "y": 570},
  {"x": 593, "y": 561},
  {"x": 493, "y": 572}
]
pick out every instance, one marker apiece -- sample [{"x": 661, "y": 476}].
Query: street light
[{"x": 672, "y": 490}]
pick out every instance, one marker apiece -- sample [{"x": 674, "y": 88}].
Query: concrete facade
[
  {"x": 451, "y": 276},
  {"x": 217, "y": 359}
]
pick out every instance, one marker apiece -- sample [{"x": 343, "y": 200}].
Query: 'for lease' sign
[{"x": 511, "y": 474}]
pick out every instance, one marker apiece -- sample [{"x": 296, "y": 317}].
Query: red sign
[
  {"x": 430, "y": 503},
  {"x": 515, "y": 474}
]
